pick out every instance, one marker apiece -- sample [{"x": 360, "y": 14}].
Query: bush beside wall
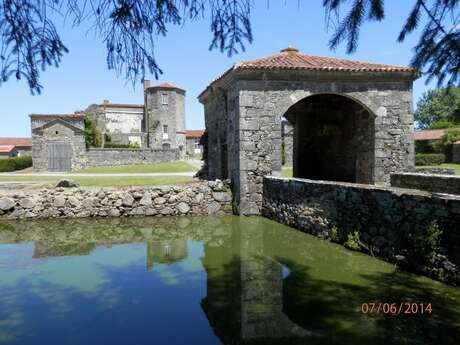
[
  {"x": 15, "y": 163},
  {"x": 429, "y": 158}
]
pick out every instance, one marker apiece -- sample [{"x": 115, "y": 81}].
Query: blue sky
[{"x": 183, "y": 55}]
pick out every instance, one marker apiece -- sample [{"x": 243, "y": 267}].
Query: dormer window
[{"x": 164, "y": 98}]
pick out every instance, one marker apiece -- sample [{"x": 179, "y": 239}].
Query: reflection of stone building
[
  {"x": 244, "y": 300},
  {"x": 166, "y": 252}
]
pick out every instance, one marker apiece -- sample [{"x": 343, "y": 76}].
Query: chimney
[
  {"x": 146, "y": 84},
  {"x": 105, "y": 101}
]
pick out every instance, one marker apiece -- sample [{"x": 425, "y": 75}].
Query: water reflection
[{"x": 166, "y": 280}]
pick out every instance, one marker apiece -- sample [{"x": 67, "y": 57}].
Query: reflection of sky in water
[
  {"x": 63, "y": 300},
  {"x": 243, "y": 277}
]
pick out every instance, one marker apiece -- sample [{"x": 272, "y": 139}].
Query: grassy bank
[
  {"x": 105, "y": 181},
  {"x": 171, "y": 167}
]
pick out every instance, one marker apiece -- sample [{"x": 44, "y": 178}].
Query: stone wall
[
  {"x": 398, "y": 225},
  {"x": 449, "y": 184},
  {"x": 244, "y": 110},
  {"x": 191, "y": 199},
  {"x": 111, "y": 157}
]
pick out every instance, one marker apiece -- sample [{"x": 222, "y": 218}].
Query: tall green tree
[
  {"x": 439, "y": 108},
  {"x": 30, "y": 41}
]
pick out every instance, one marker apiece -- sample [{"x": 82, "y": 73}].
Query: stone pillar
[
  {"x": 287, "y": 131},
  {"x": 260, "y": 147}
]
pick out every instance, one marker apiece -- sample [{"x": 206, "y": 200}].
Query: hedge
[
  {"x": 121, "y": 146},
  {"x": 15, "y": 163},
  {"x": 429, "y": 158}
]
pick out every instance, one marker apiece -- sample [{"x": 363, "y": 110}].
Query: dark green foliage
[
  {"x": 429, "y": 158},
  {"x": 15, "y": 163},
  {"x": 121, "y": 146},
  {"x": 445, "y": 145},
  {"x": 425, "y": 146},
  {"x": 437, "y": 52},
  {"x": 439, "y": 108},
  {"x": 429, "y": 240},
  {"x": 129, "y": 29},
  {"x": 92, "y": 134}
]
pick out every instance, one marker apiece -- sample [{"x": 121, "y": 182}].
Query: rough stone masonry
[
  {"x": 398, "y": 225},
  {"x": 245, "y": 106},
  {"x": 200, "y": 198}
]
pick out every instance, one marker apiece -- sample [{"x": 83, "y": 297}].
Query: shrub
[
  {"x": 445, "y": 144},
  {"x": 352, "y": 241},
  {"x": 93, "y": 135},
  {"x": 15, "y": 163},
  {"x": 430, "y": 240},
  {"x": 429, "y": 158},
  {"x": 134, "y": 146}
]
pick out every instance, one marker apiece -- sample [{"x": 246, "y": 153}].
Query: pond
[{"x": 206, "y": 280}]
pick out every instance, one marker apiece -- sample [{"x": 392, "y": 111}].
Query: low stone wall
[
  {"x": 110, "y": 157},
  {"x": 429, "y": 182},
  {"x": 437, "y": 171},
  {"x": 419, "y": 231},
  {"x": 191, "y": 199}
]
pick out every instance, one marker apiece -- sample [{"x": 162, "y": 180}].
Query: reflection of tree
[
  {"x": 166, "y": 252},
  {"x": 248, "y": 301},
  {"x": 45, "y": 249}
]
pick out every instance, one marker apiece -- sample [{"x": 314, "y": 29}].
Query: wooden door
[{"x": 59, "y": 156}]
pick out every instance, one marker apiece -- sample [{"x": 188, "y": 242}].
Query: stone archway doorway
[{"x": 333, "y": 139}]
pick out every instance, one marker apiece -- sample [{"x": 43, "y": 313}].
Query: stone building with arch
[{"x": 352, "y": 121}]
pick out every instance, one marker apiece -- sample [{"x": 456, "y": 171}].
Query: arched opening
[
  {"x": 333, "y": 139},
  {"x": 166, "y": 146}
]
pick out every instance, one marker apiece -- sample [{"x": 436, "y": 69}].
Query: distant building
[
  {"x": 15, "y": 147},
  {"x": 58, "y": 141},
  {"x": 120, "y": 123},
  {"x": 159, "y": 123},
  {"x": 431, "y": 135},
  {"x": 193, "y": 137}
]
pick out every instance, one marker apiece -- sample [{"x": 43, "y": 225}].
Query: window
[
  {"x": 165, "y": 132},
  {"x": 197, "y": 143},
  {"x": 164, "y": 98}
]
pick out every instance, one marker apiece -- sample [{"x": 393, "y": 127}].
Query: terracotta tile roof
[
  {"x": 291, "y": 59},
  {"x": 6, "y": 148},
  {"x": 166, "y": 86},
  {"x": 429, "y": 134},
  {"x": 121, "y": 105},
  {"x": 194, "y": 133},
  {"x": 16, "y": 141},
  {"x": 57, "y": 116}
]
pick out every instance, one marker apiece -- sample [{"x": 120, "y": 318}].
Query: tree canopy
[
  {"x": 439, "y": 108},
  {"x": 30, "y": 42}
]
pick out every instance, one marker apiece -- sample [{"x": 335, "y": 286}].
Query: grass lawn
[
  {"x": 454, "y": 166},
  {"x": 287, "y": 172},
  {"x": 171, "y": 167},
  {"x": 103, "y": 181}
]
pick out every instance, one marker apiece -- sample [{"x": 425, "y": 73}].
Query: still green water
[{"x": 204, "y": 280}]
